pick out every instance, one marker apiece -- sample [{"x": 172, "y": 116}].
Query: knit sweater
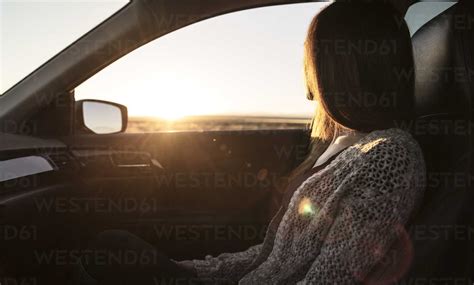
[{"x": 339, "y": 223}]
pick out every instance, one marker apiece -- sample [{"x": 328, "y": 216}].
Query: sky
[
  {"x": 34, "y": 31},
  {"x": 244, "y": 63}
]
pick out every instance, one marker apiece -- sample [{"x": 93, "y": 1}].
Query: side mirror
[{"x": 101, "y": 117}]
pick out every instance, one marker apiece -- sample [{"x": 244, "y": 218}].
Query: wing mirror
[{"x": 101, "y": 117}]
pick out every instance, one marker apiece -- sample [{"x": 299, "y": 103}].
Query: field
[{"x": 215, "y": 123}]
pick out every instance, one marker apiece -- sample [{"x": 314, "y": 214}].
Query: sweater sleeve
[
  {"x": 383, "y": 194},
  {"x": 226, "y": 268}
]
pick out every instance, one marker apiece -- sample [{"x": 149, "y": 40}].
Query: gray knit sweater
[{"x": 339, "y": 223}]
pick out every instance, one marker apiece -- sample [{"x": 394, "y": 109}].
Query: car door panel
[{"x": 190, "y": 179}]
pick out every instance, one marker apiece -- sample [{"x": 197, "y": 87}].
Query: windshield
[{"x": 32, "y": 32}]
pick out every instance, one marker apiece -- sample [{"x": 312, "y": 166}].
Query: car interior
[{"x": 63, "y": 183}]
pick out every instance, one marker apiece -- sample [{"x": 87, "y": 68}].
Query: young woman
[{"x": 363, "y": 178}]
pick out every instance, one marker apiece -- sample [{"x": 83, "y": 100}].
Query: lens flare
[{"x": 306, "y": 208}]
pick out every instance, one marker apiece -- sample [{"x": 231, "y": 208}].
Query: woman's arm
[{"x": 227, "y": 268}]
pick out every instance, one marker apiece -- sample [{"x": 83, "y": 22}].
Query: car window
[
  {"x": 242, "y": 70},
  {"x": 421, "y": 13},
  {"x": 32, "y": 32}
]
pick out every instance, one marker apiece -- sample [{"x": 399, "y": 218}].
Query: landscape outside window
[{"x": 238, "y": 71}]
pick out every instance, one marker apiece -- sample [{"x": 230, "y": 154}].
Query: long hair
[{"x": 358, "y": 65}]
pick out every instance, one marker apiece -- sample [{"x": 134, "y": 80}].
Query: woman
[{"x": 345, "y": 205}]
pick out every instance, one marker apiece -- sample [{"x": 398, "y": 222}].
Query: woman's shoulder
[
  {"x": 387, "y": 157},
  {"x": 383, "y": 149},
  {"x": 390, "y": 141}
]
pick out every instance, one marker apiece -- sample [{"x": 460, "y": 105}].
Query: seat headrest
[{"x": 440, "y": 69}]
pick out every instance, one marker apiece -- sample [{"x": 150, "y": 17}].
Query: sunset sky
[{"x": 245, "y": 63}]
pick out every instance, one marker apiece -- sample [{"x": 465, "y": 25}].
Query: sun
[
  {"x": 172, "y": 114},
  {"x": 174, "y": 101},
  {"x": 169, "y": 108}
]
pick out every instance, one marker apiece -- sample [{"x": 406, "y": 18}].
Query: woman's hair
[{"x": 358, "y": 65}]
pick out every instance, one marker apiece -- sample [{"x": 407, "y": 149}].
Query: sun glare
[
  {"x": 171, "y": 115},
  {"x": 169, "y": 107},
  {"x": 165, "y": 108}
]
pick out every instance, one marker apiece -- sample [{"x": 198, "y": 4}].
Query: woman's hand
[{"x": 187, "y": 265}]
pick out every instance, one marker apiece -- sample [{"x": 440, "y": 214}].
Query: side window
[
  {"x": 421, "y": 13},
  {"x": 242, "y": 70}
]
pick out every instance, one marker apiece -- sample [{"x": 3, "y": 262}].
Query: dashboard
[{"x": 28, "y": 163}]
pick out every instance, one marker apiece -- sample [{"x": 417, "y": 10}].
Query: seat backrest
[{"x": 442, "y": 228}]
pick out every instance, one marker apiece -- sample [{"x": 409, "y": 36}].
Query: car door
[{"x": 189, "y": 193}]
